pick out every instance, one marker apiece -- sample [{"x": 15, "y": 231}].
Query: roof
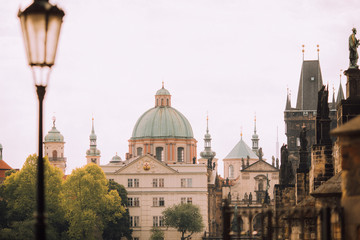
[
  {"x": 241, "y": 150},
  {"x": 331, "y": 187},
  {"x": 162, "y": 122},
  {"x": 4, "y": 165},
  {"x": 260, "y": 166},
  {"x": 309, "y": 85},
  {"x": 352, "y": 127},
  {"x": 162, "y": 91},
  {"x": 54, "y": 136},
  {"x": 340, "y": 95}
]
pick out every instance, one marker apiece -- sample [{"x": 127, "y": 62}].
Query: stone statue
[
  {"x": 277, "y": 163},
  {"x": 247, "y": 161},
  {"x": 214, "y": 165},
  {"x": 353, "y": 45},
  {"x": 242, "y": 163},
  {"x": 286, "y": 171},
  {"x": 250, "y": 198},
  {"x": 235, "y": 223},
  {"x": 260, "y": 154},
  {"x": 273, "y": 161},
  {"x": 194, "y": 160},
  {"x": 229, "y": 197},
  {"x": 246, "y": 197},
  {"x": 227, "y": 181},
  {"x": 303, "y": 140}
]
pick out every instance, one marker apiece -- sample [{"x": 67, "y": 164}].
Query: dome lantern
[{"x": 163, "y": 97}]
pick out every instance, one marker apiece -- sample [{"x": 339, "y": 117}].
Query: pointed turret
[
  {"x": 340, "y": 94},
  {"x": 255, "y": 139},
  {"x": 288, "y": 100},
  {"x": 93, "y": 154},
  {"x": 333, "y": 103},
  {"x": 207, "y": 153},
  {"x": 309, "y": 85}
]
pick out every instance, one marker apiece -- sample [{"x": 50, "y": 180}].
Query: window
[
  {"x": 298, "y": 142},
  {"x": 189, "y": 182},
  {"x": 167, "y": 102},
  {"x": 158, "y": 202},
  {"x": 186, "y": 182},
  {"x": 261, "y": 185},
  {"x": 136, "y": 182},
  {"x": 93, "y": 160},
  {"x": 158, "y": 182},
  {"x": 161, "y": 221},
  {"x": 161, "y": 202},
  {"x": 312, "y": 78},
  {"x": 183, "y": 200},
  {"x": 155, "y": 202},
  {"x": 159, "y": 153},
  {"x": 139, "y": 151},
  {"x": 161, "y": 182},
  {"x": 158, "y": 221},
  {"x": 186, "y": 200},
  {"x": 155, "y": 221},
  {"x": 155, "y": 182},
  {"x": 130, "y": 182},
  {"x": 157, "y": 102},
  {"x": 54, "y": 154},
  {"x": 231, "y": 171},
  {"x": 133, "y": 182},
  {"x": 180, "y": 154},
  {"x": 189, "y": 200},
  {"x": 135, "y": 221},
  {"x": 133, "y": 202},
  {"x": 183, "y": 182}
]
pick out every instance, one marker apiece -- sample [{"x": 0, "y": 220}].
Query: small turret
[
  {"x": 255, "y": 139},
  {"x": 93, "y": 154},
  {"x": 207, "y": 153}
]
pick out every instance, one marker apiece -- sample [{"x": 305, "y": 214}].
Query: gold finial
[
  {"x": 303, "y": 50},
  {"x": 318, "y": 50},
  {"x": 241, "y": 133},
  {"x": 162, "y": 84},
  {"x": 54, "y": 120}
]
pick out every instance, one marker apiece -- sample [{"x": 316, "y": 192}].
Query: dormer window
[{"x": 312, "y": 78}]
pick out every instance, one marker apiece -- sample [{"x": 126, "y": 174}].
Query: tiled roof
[{"x": 4, "y": 165}]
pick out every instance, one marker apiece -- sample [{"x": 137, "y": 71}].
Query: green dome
[
  {"x": 162, "y": 91},
  {"x": 162, "y": 122},
  {"x": 54, "y": 136},
  {"x": 115, "y": 159}
]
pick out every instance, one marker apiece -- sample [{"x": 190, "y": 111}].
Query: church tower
[
  {"x": 93, "y": 154},
  {"x": 208, "y": 154},
  {"x": 54, "y": 148},
  {"x": 255, "y": 139}
]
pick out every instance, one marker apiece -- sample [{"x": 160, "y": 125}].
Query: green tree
[
  {"x": 120, "y": 227},
  {"x": 19, "y": 196},
  {"x": 88, "y": 203},
  {"x": 185, "y": 218},
  {"x": 156, "y": 234}
]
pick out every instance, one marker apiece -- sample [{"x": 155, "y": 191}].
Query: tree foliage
[
  {"x": 156, "y": 234},
  {"x": 88, "y": 203},
  {"x": 19, "y": 198},
  {"x": 120, "y": 227},
  {"x": 185, "y": 218}
]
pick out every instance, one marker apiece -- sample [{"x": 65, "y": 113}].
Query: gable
[
  {"x": 260, "y": 166},
  {"x": 146, "y": 165}
]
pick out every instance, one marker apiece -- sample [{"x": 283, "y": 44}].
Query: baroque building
[
  {"x": 161, "y": 169},
  {"x": 54, "y": 147}
]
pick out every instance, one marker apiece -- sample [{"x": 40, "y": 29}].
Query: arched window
[
  {"x": 54, "y": 154},
  {"x": 139, "y": 151},
  {"x": 157, "y": 102},
  {"x": 167, "y": 102},
  {"x": 159, "y": 153},
  {"x": 180, "y": 154},
  {"x": 162, "y": 102},
  {"x": 231, "y": 171}
]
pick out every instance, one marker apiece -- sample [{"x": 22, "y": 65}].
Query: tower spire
[
  {"x": 318, "y": 51},
  {"x": 207, "y": 153},
  {"x": 255, "y": 138},
  {"x": 93, "y": 154}
]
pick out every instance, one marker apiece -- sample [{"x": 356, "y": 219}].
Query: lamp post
[{"x": 40, "y": 24}]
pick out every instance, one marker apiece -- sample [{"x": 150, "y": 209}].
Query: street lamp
[{"x": 40, "y": 24}]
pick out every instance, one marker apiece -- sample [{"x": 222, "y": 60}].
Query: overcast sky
[{"x": 230, "y": 58}]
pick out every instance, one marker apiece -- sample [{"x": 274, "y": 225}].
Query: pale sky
[{"x": 230, "y": 58}]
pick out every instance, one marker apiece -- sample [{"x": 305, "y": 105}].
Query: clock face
[{"x": 146, "y": 166}]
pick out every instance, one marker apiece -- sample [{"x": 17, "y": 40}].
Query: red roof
[{"x": 3, "y": 168}]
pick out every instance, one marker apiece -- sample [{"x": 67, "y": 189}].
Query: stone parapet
[{"x": 322, "y": 168}]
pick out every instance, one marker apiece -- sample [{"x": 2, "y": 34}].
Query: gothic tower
[
  {"x": 93, "y": 154},
  {"x": 208, "y": 156},
  {"x": 54, "y": 148}
]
